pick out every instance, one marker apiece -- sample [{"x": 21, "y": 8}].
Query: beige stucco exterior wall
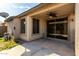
[
  {"x": 77, "y": 30},
  {"x": 24, "y": 35},
  {"x": 42, "y": 30},
  {"x": 14, "y": 23},
  {"x": 10, "y": 27},
  {"x": 71, "y": 28},
  {"x": 29, "y": 36}
]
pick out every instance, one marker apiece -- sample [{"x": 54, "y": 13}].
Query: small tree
[{"x": 4, "y": 14}]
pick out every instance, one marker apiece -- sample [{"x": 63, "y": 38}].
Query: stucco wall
[
  {"x": 23, "y": 35},
  {"x": 11, "y": 25},
  {"x": 29, "y": 36},
  {"x": 71, "y": 28},
  {"x": 77, "y": 30},
  {"x": 42, "y": 30},
  {"x": 16, "y": 23}
]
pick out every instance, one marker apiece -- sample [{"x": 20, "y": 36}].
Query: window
[
  {"x": 22, "y": 26},
  {"x": 35, "y": 26}
]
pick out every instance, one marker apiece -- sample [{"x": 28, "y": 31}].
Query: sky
[{"x": 14, "y": 9}]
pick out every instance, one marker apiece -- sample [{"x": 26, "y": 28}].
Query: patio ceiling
[{"x": 60, "y": 11}]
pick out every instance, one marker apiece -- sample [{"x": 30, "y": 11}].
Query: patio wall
[
  {"x": 10, "y": 27},
  {"x": 77, "y": 30}
]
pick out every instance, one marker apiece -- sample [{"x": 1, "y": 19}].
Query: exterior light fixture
[{"x": 25, "y": 22}]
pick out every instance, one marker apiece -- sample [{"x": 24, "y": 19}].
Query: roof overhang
[
  {"x": 28, "y": 11},
  {"x": 9, "y": 19},
  {"x": 34, "y": 9}
]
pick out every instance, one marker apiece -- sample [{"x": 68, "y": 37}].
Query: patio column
[
  {"x": 77, "y": 30},
  {"x": 43, "y": 29},
  {"x": 29, "y": 27},
  {"x": 71, "y": 29}
]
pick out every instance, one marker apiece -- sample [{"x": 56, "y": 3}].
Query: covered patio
[
  {"x": 55, "y": 21},
  {"x": 58, "y": 31},
  {"x": 62, "y": 34}
]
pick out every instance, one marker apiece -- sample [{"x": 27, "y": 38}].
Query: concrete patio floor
[
  {"x": 47, "y": 47},
  {"x": 41, "y": 47}
]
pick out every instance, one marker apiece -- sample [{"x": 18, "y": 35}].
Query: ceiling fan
[{"x": 52, "y": 14}]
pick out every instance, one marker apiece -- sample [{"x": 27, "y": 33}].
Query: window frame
[
  {"x": 35, "y": 26},
  {"x": 22, "y": 26}
]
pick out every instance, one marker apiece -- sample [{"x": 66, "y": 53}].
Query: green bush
[
  {"x": 2, "y": 39},
  {"x": 10, "y": 44},
  {"x": 6, "y": 44}
]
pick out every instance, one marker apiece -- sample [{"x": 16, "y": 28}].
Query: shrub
[{"x": 6, "y": 44}]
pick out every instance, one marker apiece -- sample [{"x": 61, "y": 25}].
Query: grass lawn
[{"x": 6, "y": 44}]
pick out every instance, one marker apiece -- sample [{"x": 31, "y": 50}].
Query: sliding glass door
[{"x": 57, "y": 28}]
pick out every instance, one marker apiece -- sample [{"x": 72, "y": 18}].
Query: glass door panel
[
  {"x": 51, "y": 30},
  {"x": 60, "y": 28},
  {"x": 57, "y": 28}
]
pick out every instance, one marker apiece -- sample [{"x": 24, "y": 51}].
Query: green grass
[
  {"x": 6, "y": 44},
  {"x": 2, "y": 39}
]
